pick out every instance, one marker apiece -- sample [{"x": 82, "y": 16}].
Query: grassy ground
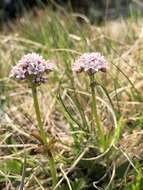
[{"x": 65, "y": 105}]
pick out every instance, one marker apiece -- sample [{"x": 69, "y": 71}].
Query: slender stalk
[
  {"x": 38, "y": 115},
  {"x": 95, "y": 117},
  {"x": 94, "y": 103},
  {"x": 43, "y": 136},
  {"x": 53, "y": 171}
]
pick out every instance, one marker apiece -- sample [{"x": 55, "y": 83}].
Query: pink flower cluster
[
  {"x": 32, "y": 67},
  {"x": 90, "y": 63}
]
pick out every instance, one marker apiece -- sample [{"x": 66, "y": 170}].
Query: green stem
[
  {"x": 95, "y": 118},
  {"x": 44, "y": 137},
  {"x": 94, "y": 103},
  {"x": 38, "y": 115},
  {"x": 53, "y": 171}
]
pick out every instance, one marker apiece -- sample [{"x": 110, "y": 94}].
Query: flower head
[
  {"x": 32, "y": 67},
  {"x": 90, "y": 62}
]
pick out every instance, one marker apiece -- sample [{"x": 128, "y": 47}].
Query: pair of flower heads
[{"x": 33, "y": 67}]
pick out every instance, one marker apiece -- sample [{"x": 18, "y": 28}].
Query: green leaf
[{"x": 11, "y": 166}]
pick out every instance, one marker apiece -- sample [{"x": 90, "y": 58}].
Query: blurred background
[{"x": 96, "y": 10}]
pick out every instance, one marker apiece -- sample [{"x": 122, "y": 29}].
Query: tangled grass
[{"x": 65, "y": 105}]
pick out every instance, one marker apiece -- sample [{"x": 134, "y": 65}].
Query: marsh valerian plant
[
  {"x": 32, "y": 68},
  {"x": 118, "y": 99},
  {"x": 91, "y": 63}
]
